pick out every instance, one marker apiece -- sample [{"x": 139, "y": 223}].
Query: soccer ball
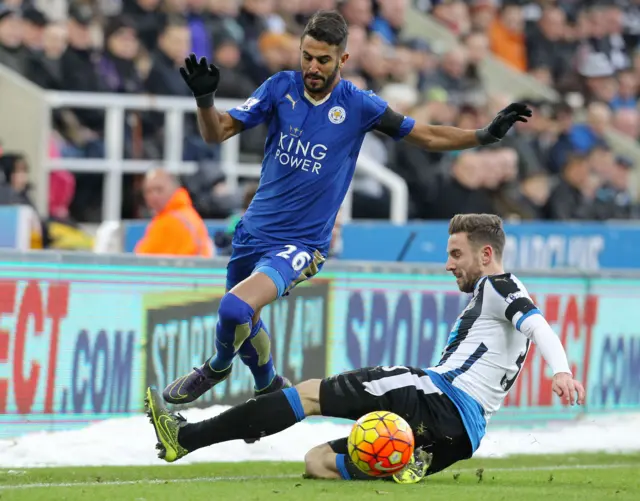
[{"x": 381, "y": 443}]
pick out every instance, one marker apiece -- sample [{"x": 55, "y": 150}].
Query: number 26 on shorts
[{"x": 299, "y": 260}]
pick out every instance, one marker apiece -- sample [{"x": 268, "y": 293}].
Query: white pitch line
[
  {"x": 299, "y": 476},
  {"x": 146, "y": 482}
]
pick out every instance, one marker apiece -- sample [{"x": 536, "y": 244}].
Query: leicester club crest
[{"x": 337, "y": 114}]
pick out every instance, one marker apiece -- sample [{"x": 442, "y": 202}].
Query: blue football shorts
[{"x": 286, "y": 264}]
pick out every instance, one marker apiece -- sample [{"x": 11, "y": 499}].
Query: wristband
[
  {"x": 485, "y": 137},
  {"x": 205, "y": 101}
]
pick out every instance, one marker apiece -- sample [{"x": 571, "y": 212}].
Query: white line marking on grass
[
  {"x": 299, "y": 476},
  {"x": 147, "y": 481}
]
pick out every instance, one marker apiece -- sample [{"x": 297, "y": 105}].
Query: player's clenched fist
[
  {"x": 202, "y": 78},
  {"x": 566, "y": 387},
  {"x": 498, "y": 128}
]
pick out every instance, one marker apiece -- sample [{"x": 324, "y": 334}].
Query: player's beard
[
  {"x": 469, "y": 280},
  {"x": 328, "y": 81}
]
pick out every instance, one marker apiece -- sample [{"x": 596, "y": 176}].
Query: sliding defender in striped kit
[{"x": 448, "y": 406}]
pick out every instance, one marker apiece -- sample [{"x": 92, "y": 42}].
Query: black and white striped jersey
[{"x": 486, "y": 348}]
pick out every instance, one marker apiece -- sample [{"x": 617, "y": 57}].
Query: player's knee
[
  {"x": 233, "y": 310},
  {"x": 319, "y": 462},
  {"x": 309, "y": 392}
]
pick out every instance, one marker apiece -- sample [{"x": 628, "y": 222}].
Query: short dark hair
[
  {"x": 174, "y": 21},
  {"x": 482, "y": 229},
  {"x": 328, "y": 26}
]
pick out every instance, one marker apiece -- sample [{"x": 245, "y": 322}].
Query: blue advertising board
[{"x": 534, "y": 246}]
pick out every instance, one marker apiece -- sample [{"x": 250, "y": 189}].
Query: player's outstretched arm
[
  {"x": 203, "y": 79},
  {"x": 445, "y": 138},
  {"x": 564, "y": 385}
]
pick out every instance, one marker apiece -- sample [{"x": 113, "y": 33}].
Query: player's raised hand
[
  {"x": 498, "y": 128},
  {"x": 568, "y": 388},
  {"x": 202, "y": 78}
]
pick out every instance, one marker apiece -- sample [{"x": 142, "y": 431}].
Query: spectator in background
[
  {"x": 79, "y": 73},
  {"x": 390, "y": 19},
  {"x": 613, "y": 199},
  {"x": 601, "y": 54},
  {"x": 533, "y": 195},
  {"x": 452, "y": 77},
  {"x": 401, "y": 70},
  {"x": 374, "y": 64},
  {"x": 234, "y": 83},
  {"x": 174, "y": 43},
  {"x": 222, "y": 20},
  {"x": 507, "y": 37},
  {"x": 148, "y": 19},
  {"x": 454, "y": 15},
  {"x": 274, "y": 52},
  {"x": 627, "y": 121},
  {"x": 45, "y": 68},
  {"x": 601, "y": 162},
  {"x": 14, "y": 177},
  {"x": 611, "y": 16},
  {"x": 356, "y": 44},
  {"x": 562, "y": 123},
  {"x": 33, "y": 26},
  {"x": 201, "y": 37},
  {"x": 12, "y": 53},
  {"x": 117, "y": 67},
  {"x": 533, "y": 140},
  {"x": 478, "y": 47},
  {"x": 253, "y": 20},
  {"x": 357, "y": 12},
  {"x": 585, "y": 136},
  {"x": 482, "y": 14},
  {"x": 176, "y": 228},
  {"x": 546, "y": 45},
  {"x": 14, "y": 190},
  {"x": 571, "y": 198},
  {"x": 164, "y": 79},
  {"x": 459, "y": 188},
  {"x": 627, "y": 95}
]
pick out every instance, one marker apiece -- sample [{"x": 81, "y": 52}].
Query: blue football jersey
[{"x": 309, "y": 156}]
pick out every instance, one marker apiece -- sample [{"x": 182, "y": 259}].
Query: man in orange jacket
[{"x": 176, "y": 229}]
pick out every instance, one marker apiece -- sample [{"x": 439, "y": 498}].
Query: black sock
[
  {"x": 353, "y": 472},
  {"x": 256, "y": 418},
  {"x": 349, "y": 471}
]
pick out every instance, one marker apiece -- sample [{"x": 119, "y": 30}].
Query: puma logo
[{"x": 293, "y": 103}]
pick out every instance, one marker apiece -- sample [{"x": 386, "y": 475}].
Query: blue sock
[
  {"x": 233, "y": 328},
  {"x": 342, "y": 467},
  {"x": 255, "y": 352}
]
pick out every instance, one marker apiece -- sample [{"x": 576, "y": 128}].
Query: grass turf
[{"x": 581, "y": 477}]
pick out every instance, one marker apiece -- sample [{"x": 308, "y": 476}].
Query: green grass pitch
[{"x": 580, "y": 477}]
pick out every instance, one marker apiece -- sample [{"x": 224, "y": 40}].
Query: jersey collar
[
  {"x": 307, "y": 98},
  {"x": 478, "y": 282}
]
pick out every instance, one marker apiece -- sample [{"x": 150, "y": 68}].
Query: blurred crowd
[{"x": 549, "y": 168}]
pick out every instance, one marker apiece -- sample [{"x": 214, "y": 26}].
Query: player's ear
[
  {"x": 343, "y": 59},
  {"x": 487, "y": 254}
]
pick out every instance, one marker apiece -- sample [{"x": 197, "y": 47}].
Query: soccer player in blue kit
[{"x": 317, "y": 123}]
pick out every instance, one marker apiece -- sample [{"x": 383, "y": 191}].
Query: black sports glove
[
  {"x": 202, "y": 78},
  {"x": 498, "y": 128}
]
